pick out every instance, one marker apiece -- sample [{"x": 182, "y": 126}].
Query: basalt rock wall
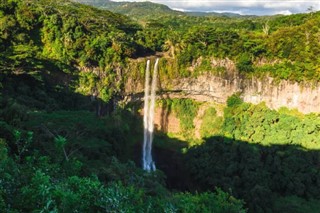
[
  {"x": 218, "y": 87},
  {"x": 304, "y": 97}
]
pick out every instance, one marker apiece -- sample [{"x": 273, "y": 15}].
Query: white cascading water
[
  {"x": 148, "y": 118},
  {"x": 145, "y": 115}
]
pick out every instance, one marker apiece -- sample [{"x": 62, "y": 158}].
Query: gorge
[
  {"x": 228, "y": 122},
  {"x": 217, "y": 87}
]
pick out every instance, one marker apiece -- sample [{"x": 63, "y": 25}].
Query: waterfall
[
  {"x": 145, "y": 116},
  {"x": 148, "y": 117}
]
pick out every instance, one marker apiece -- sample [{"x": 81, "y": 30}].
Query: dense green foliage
[
  {"x": 185, "y": 110},
  {"x": 262, "y": 155},
  {"x": 211, "y": 123},
  {"x": 258, "y": 124},
  {"x": 283, "y": 47},
  {"x": 49, "y": 39},
  {"x": 33, "y": 181},
  {"x": 259, "y": 174}
]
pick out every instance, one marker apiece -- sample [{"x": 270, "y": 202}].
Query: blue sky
[{"x": 244, "y": 7}]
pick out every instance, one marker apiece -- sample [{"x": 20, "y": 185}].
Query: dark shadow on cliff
[
  {"x": 167, "y": 155},
  {"x": 274, "y": 178},
  {"x": 165, "y": 113}
]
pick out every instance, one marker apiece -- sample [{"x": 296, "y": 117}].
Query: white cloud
[
  {"x": 226, "y": 11},
  {"x": 284, "y": 12},
  {"x": 181, "y": 9},
  {"x": 257, "y": 7}
]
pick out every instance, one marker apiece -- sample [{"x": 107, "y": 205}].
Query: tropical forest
[{"x": 124, "y": 107}]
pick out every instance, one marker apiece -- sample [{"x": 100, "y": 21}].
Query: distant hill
[
  {"x": 213, "y": 14},
  {"x": 97, "y": 3},
  {"x": 137, "y": 10},
  {"x": 146, "y": 10}
]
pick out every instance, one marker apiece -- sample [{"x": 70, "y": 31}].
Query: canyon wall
[{"x": 304, "y": 97}]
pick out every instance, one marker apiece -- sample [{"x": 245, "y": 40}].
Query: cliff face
[
  {"x": 209, "y": 87},
  {"x": 304, "y": 97}
]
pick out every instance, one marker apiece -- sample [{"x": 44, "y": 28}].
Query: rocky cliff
[{"x": 304, "y": 97}]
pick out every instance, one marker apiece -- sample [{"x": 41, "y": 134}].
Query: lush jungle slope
[
  {"x": 284, "y": 47},
  {"x": 269, "y": 158}
]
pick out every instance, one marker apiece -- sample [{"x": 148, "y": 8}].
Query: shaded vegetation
[
  {"x": 185, "y": 110},
  {"x": 59, "y": 164},
  {"x": 211, "y": 123},
  {"x": 269, "y": 178},
  {"x": 258, "y": 124},
  {"x": 269, "y": 158}
]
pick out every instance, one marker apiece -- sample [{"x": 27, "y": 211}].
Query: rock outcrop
[{"x": 304, "y": 97}]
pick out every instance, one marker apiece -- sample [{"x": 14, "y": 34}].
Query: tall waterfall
[{"x": 148, "y": 117}]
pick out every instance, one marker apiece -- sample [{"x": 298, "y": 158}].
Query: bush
[
  {"x": 244, "y": 63},
  {"x": 211, "y": 123},
  {"x": 234, "y": 100}
]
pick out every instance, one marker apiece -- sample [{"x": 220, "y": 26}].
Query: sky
[{"x": 243, "y": 7}]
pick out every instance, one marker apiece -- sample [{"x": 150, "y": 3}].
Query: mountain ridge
[{"x": 137, "y": 9}]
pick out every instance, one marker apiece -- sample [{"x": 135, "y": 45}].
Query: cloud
[{"x": 248, "y": 7}]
